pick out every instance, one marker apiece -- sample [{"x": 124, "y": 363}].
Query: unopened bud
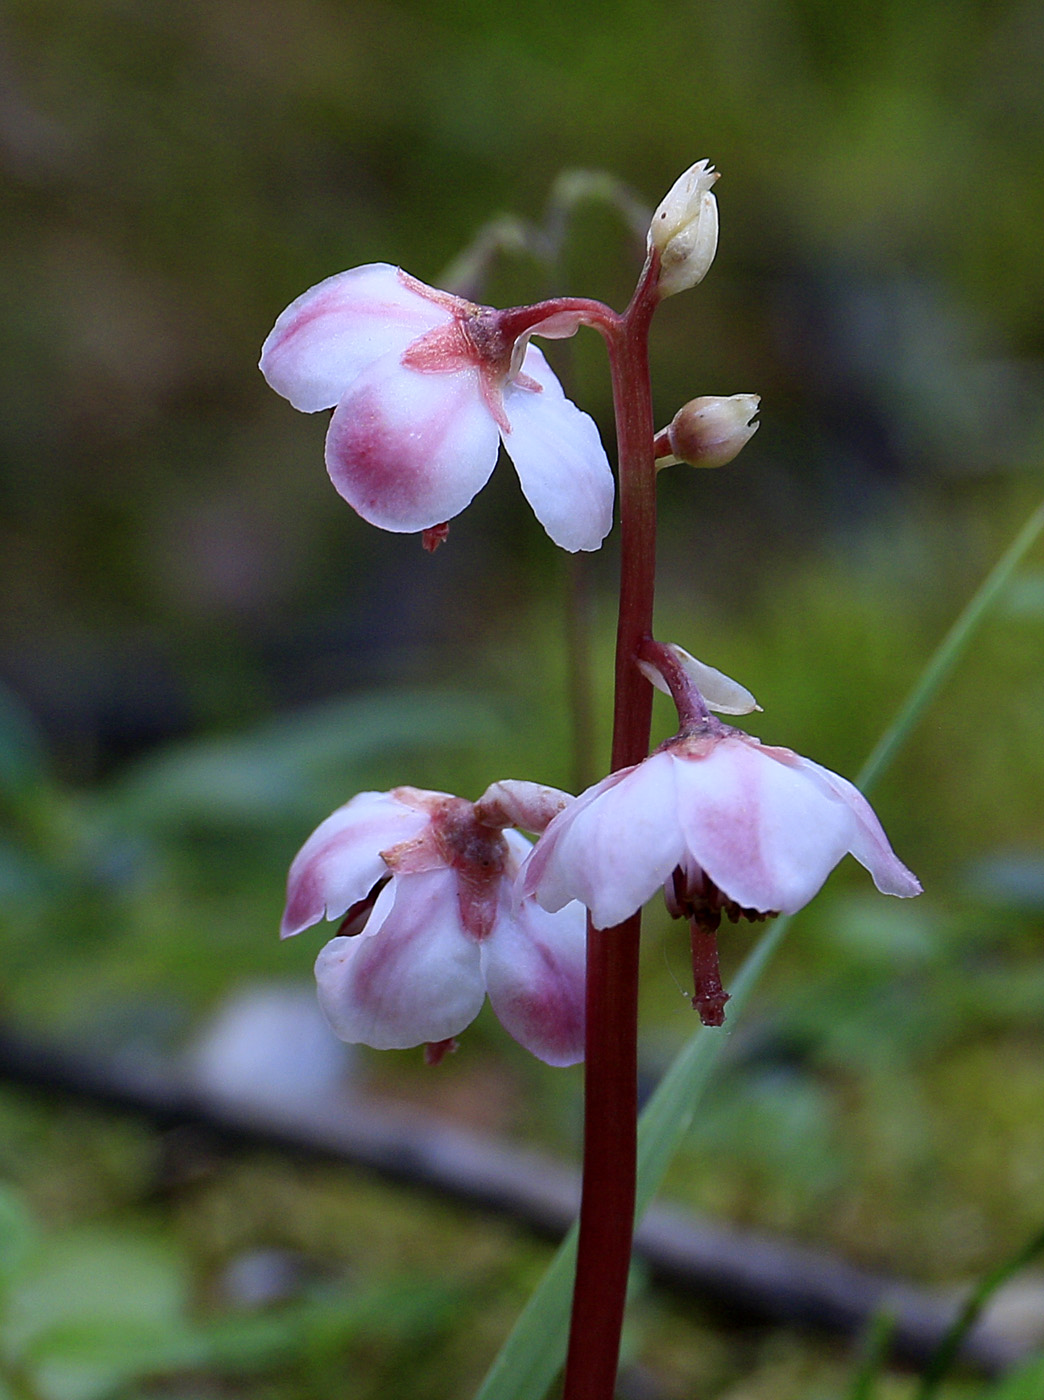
[
  {"x": 708, "y": 432},
  {"x": 684, "y": 230}
]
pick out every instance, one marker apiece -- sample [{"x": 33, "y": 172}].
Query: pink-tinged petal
[
  {"x": 544, "y": 876},
  {"x": 765, "y": 834},
  {"x": 330, "y": 334},
  {"x": 519, "y": 849},
  {"x": 409, "y": 450},
  {"x": 418, "y": 854},
  {"x": 534, "y": 965},
  {"x": 561, "y": 464},
  {"x": 613, "y": 847},
  {"x": 340, "y": 862},
  {"x": 870, "y": 845},
  {"x": 515, "y": 802},
  {"x": 416, "y": 978}
]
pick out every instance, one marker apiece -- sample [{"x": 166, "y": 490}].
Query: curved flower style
[
  {"x": 425, "y": 386},
  {"x": 720, "y": 819},
  {"x": 423, "y": 882}
]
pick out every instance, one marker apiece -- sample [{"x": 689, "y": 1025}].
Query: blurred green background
[{"x": 203, "y": 650}]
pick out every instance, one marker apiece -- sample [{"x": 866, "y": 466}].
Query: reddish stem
[
  {"x": 517, "y": 320},
  {"x": 693, "y": 714},
  {"x": 611, "y": 1056}
]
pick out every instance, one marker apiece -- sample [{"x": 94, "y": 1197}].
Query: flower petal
[
  {"x": 561, "y": 464},
  {"x": 534, "y": 966},
  {"x": 416, "y": 978},
  {"x": 870, "y": 845},
  {"x": 332, "y": 332},
  {"x": 765, "y": 833},
  {"x": 719, "y": 691},
  {"x": 517, "y": 802},
  {"x": 409, "y": 450},
  {"x": 613, "y": 847},
  {"x": 340, "y": 862}
]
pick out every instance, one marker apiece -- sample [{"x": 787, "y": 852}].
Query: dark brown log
[{"x": 741, "y": 1271}]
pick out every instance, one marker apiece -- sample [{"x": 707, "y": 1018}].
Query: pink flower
[
  {"x": 425, "y": 386},
  {"x": 423, "y": 883},
  {"x": 718, "y": 818}
]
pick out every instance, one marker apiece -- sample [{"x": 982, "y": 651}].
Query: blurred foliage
[
  {"x": 204, "y": 651},
  {"x": 87, "y": 1313}
]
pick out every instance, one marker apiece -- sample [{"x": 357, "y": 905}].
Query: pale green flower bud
[
  {"x": 684, "y": 230},
  {"x": 708, "y": 432}
]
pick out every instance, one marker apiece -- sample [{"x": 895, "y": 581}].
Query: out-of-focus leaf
[
  {"x": 950, "y": 650},
  {"x": 24, "y": 879},
  {"x": 86, "y": 1358},
  {"x": 779, "y": 1119},
  {"x": 99, "y": 1282},
  {"x": 87, "y": 1313},
  {"x": 864, "y": 930},
  {"x": 290, "y": 767},
  {"x": 946, "y": 1354},
  {"x": 875, "y": 1356}
]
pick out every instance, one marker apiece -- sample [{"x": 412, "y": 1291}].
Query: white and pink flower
[
  {"x": 425, "y": 386},
  {"x": 720, "y": 820},
  {"x": 423, "y": 885}
]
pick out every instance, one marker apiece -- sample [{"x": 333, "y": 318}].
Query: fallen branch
[{"x": 738, "y": 1270}]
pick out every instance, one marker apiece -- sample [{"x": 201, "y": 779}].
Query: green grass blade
[
  {"x": 668, "y": 1115},
  {"x": 535, "y": 1349},
  {"x": 949, "y": 652},
  {"x": 875, "y": 1355},
  {"x": 950, "y": 1345}
]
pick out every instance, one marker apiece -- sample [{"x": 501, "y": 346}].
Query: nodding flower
[
  {"x": 422, "y": 886},
  {"x": 721, "y": 821},
  {"x": 425, "y": 386}
]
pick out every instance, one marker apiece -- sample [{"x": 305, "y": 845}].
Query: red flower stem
[
  {"x": 611, "y": 1052},
  {"x": 514, "y": 321},
  {"x": 693, "y": 714}
]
